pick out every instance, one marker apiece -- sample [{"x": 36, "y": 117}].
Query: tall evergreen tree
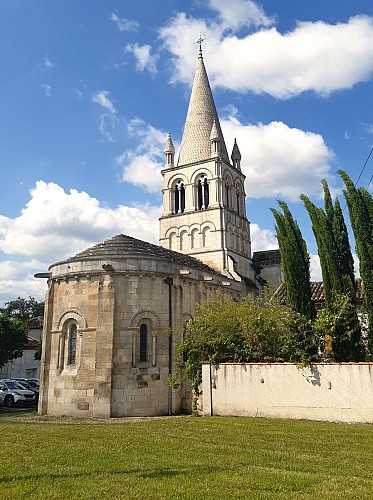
[
  {"x": 295, "y": 262},
  {"x": 337, "y": 268},
  {"x": 325, "y": 248},
  {"x": 360, "y": 208}
]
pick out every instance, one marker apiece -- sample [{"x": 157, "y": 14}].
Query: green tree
[
  {"x": 360, "y": 208},
  {"x": 337, "y": 330},
  {"x": 252, "y": 331},
  {"x": 337, "y": 268},
  {"x": 13, "y": 336},
  {"x": 295, "y": 262},
  {"x": 23, "y": 309}
]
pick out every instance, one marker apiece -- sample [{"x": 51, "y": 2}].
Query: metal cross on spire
[{"x": 200, "y": 41}]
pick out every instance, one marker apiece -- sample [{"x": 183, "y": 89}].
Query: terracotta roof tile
[{"x": 317, "y": 291}]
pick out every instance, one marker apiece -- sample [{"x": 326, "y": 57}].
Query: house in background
[{"x": 26, "y": 366}]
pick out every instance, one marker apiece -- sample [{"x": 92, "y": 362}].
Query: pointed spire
[
  {"x": 214, "y": 135},
  {"x": 236, "y": 156},
  {"x": 196, "y": 144},
  {"x": 169, "y": 148},
  {"x": 215, "y": 140},
  {"x": 169, "y": 151}
]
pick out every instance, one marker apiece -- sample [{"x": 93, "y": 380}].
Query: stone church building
[{"x": 115, "y": 312}]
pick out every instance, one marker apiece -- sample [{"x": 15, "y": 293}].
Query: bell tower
[{"x": 204, "y": 211}]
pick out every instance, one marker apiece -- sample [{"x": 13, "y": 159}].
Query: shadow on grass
[
  {"x": 143, "y": 474},
  {"x": 21, "y": 411}
]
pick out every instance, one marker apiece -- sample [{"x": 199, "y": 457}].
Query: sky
[{"x": 90, "y": 89}]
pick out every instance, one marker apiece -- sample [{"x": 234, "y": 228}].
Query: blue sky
[{"x": 89, "y": 90}]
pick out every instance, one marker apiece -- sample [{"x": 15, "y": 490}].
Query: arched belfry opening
[
  {"x": 179, "y": 197},
  {"x": 203, "y": 193}
]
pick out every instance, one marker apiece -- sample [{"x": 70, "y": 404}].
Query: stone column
[
  {"x": 104, "y": 347},
  {"x": 46, "y": 350}
]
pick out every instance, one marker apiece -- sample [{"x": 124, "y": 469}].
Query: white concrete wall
[
  {"x": 25, "y": 367},
  {"x": 338, "y": 392}
]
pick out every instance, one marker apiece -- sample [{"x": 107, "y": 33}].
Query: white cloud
[
  {"x": 47, "y": 89},
  {"x": 108, "y": 119},
  {"x": 315, "y": 268},
  {"x": 101, "y": 97},
  {"x": 47, "y": 62},
  {"x": 368, "y": 127},
  {"x": 108, "y": 123},
  {"x": 55, "y": 225},
  {"x": 17, "y": 280},
  {"x": 238, "y": 13},
  {"x": 143, "y": 56},
  {"x": 142, "y": 165},
  {"x": 262, "y": 239},
  {"x": 124, "y": 24},
  {"x": 315, "y": 56},
  {"x": 279, "y": 161}
]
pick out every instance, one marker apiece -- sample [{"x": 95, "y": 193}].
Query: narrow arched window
[
  {"x": 179, "y": 197},
  {"x": 238, "y": 201},
  {"x": 143, "y": 342},
  {"x": 71, "y": 354},
  {"x": 227, "y": 188},
  {"x": 203, "y": 194}
]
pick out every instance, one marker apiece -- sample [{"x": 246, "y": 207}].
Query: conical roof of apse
[{"x": 196, "y": 144}]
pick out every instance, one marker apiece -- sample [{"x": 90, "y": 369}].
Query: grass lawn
[{"x": 184, "y": 457}]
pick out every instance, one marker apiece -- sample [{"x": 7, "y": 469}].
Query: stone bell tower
[{"x": 204, "y": 212}]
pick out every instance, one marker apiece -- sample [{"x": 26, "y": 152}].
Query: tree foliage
[
  {"x": 295, "y": 262},
  {"x": 251, "y": 331},
  {"x": 336, "y": 328},
  {"x": 337, "y": 269},
  {"x": 23, "y": 309},
  {"x": 360, "y": 207},
  {"x": 13, "y": 336}
]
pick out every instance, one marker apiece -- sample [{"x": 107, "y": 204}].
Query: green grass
[{"x": 186, "y": 457}]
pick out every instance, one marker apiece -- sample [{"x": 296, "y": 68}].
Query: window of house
[
  {"x": 71, "y": 354},
  {"x": 143, "y": 342}
]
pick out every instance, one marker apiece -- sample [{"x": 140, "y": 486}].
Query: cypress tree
[
  {"x": 337, "y": 268},
  {"x": 295, "y": 262},
  {"x": 360, "y": 208},
  {"x": 325, "y": 248}
]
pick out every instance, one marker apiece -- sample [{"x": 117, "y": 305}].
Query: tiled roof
[
  {"x": 31, "y": 343},
  {"x": 122, "y": 246},
  {"x": 317, "y": 291},
  {"x": 195, "y": 144},
  {"x": 36, "y": 323}
]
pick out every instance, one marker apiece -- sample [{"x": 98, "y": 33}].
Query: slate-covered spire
[
  {"x": 236, "y": 156},
  {"x": 196, "y": 143}
]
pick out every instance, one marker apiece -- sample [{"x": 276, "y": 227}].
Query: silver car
[{"x": 14, "y": 394}]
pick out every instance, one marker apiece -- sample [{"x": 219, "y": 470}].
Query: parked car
[
  {"x": 30, "y": 385},
  {"x": 3, "y": 391},
  {"x": 15, "y": 394},
  {"x": 34, "y": 382}
]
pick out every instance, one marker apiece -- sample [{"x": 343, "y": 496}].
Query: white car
[{"x": 14, "y": 394}]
